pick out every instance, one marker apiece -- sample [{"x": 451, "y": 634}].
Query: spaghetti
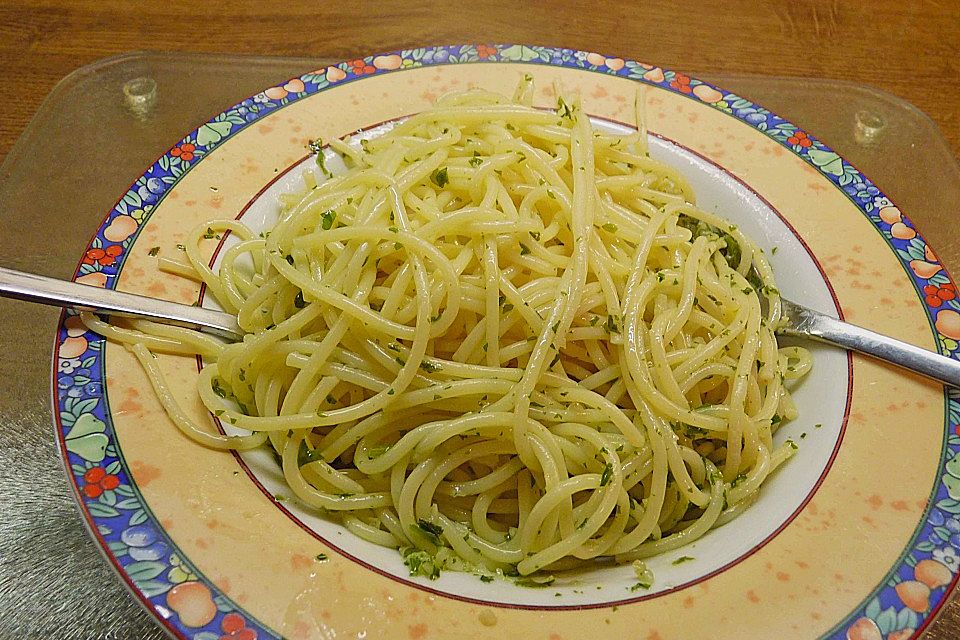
[{"x": 501, "y": 341}]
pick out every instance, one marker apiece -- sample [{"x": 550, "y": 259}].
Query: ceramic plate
[{"x": 857, "y": 537}]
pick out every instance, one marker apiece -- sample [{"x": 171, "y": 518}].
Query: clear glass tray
[{"x": 94, "y": 135}]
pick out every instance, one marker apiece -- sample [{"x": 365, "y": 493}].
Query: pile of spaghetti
[{"x": 500, "y": 341}]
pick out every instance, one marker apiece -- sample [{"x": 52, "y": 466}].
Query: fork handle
[
  {"x": 61, "y": 293},
  {"x": 817, "y": 326}
]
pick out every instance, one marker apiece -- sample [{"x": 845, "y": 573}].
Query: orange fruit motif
[
  {"x": 914, "y": 594},
  {"x": 388, "y": 62},
  {"x": 864, "y": 629},
  {"x": 94, "y": 279},
  {"x": 901, "y": 231},
  {"x": 948, "y": 323},
  {"x": 707, "y": 94},
  {"x": 73, "y": 347},
  {"x": 654, "y": 75},
  {"x": 924, "y": 269},
  {"x": 121, "y": 228},
  {"x": 932, "y": 573},
  {"x": 193, "y": 603},
  {"x": 890, "y": 215}
]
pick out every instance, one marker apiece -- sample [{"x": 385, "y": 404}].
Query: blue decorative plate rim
[{"x": 147, "y": 560}]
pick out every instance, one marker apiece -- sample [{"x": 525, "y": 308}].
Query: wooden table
[
  {"x": 910, "y": 49},
  {"x": 907, "y": 48}
]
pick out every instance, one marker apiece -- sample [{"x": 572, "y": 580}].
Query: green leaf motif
[
  {"x": 212, "y": 133},
  {"x": 138, "y": 517},
  {"x": 887, "y": 620},
  {"x": 907, "y": 619},
  {"x": 949, "y": 505},
  {"x": 206, "y": 635},
  {"x": 86, "y": 438},
  {"x": 92, "y": 447},
  {"x": 151, "y": 588},
  {"x": 953, "y": 468},
  {"x": 128, "y": 503},
  {"x": 953, "y": 486},
  {"x": 519, "y": 52},
  {"x": 873, "y": 609},
  {"x": 145, "y": 570},
  {"x": 828, "y": 161},
  {"x": 79, "y": 407},
  {"x": 98, "y": 510}
]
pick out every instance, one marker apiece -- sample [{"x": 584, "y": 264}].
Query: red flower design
[
  {"x": 485, "y": 51},
  {"x": 98, "y": 481},
  {"x": 105, "y": 257},
  {"x": 936, "y": 295},
  {"x": 359, "y": 67},
  {"x": 235, "y": 628},
  {"x": 681, "y": 83},
  {"x": 800, "y": 138},
  {"x": 184, "y": 151}
]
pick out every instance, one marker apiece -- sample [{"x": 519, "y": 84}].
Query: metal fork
[{"x": 801, "y": 321}]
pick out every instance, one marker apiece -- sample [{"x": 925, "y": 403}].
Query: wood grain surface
[{"x": 908, "y": 48}]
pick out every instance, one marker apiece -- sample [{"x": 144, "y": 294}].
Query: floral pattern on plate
[{"x": 192, "y": 606}]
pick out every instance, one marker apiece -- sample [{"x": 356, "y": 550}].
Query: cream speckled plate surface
[{"x": 857, "y": 537}]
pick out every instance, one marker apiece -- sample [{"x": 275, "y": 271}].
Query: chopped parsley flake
[
  {"x": 682, "y": 559},
  {"x": 606, "y": 475},
  {"x": 153, "y": 251},
  {"x": 420, "y": 563},
  {"x": 326, "y": 220},
  {"x": 439, "y": 177}
]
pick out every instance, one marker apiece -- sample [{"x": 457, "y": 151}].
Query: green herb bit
[
  {"x": 606, "y": 475},
  {"x": 153, "y": 251},
  {"x": 609, "y": 226},
  {"x": 298, "y": 300},
  {"x": 321, "y": 557},
  {"x": 439, "y": 177},
  {"x": 430, "y": 367},
  {"x": 288, "y": 258},
  {"x": 611, "y": 325},
  {"x": 420, "y": 563},
  {"x": 181, "y": 247},
  {"x": 682, "y": 559},
  {"x": 524, "y": 249},
  {"x": 475, "y": 161},
  {"x": 218, "y": 388},
  {"x": 535, "y": 581},
  {"x": 327, "y": 219},
  {"x": 431, "y": 530},
  {"x": 486, "y": 578},
  {"x": 507, "y": 308}
]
